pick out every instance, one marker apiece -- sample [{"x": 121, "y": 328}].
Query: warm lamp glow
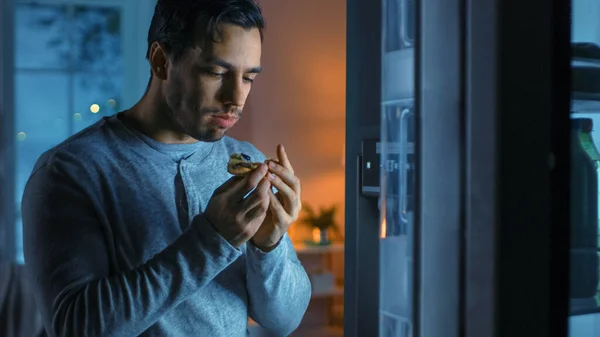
[
  {"x": 316, "y": 234},
  {"x": 383, "y": 229}
]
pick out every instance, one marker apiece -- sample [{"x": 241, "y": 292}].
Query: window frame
[{"x": 7, "y": 139}]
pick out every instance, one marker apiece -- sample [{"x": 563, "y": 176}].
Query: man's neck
[{"x": 151, "y": 117}]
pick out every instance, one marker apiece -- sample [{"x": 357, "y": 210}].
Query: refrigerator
[{"x": 467, "y": 212}]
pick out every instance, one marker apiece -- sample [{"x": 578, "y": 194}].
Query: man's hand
[
  {"x": 284, "y": 207},
  {"x": 235, "y": 218}
]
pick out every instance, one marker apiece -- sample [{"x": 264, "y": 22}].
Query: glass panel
[
  {"x": 97, "y": 56},
  {"x": 95, "y": 95},
  {"x": 41, "y": 39},
  {"x": 97, "y": 39},
  {"x": 585, "y": 163},
  {"x": 397, "y": 170},
  {"x": 42, "y": 104}
]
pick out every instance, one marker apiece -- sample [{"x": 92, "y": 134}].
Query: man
[{"x": 134, "y": 227}]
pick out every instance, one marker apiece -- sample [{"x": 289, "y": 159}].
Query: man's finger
[
  {"x": 286, "y": 176},
  {"x": 258, "y": 196},
  {"x": 277, "y": 209},
  {"x": 288, "y": 195},
  {"x": 248, "y": 183},
  {"x": 283, "y": 158},
  {"x": 275, "y": 204},
  {"x": 229, "y": 185}
]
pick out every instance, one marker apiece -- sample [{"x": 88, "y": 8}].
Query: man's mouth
[
  {"x": 227, "y": 115},
  {"x": 224, "y": 121}
]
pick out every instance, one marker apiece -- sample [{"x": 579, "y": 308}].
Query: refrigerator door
[
  {"x": 516, "y": 179},
  {"x": 420, "y": 166},
  {"x": 466, "y": 129}
]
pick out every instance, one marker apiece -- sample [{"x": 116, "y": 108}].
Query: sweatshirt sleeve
[
  {"x": 279, "y": 288},
  {"x": 68, "y": 263}
]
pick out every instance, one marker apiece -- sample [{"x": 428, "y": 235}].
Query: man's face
[{"x": 207, "y": 88}]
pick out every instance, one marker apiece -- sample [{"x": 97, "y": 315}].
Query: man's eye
[
  {"x": 248, "y": 79},
  {"x": 214, "y": 74}
]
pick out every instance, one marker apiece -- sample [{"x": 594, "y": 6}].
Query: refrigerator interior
[{"x": 585, "y": 36}]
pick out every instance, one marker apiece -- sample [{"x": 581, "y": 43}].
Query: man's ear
[{"x": 159, "y": 61}]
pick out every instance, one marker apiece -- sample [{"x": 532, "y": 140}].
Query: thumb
[{"x": 230, "y": 185}]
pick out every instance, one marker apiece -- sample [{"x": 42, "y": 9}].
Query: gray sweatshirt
[{"x": 116, "y": 243}]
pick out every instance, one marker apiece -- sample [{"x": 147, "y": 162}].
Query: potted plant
[{"x": 321, "y": 222}]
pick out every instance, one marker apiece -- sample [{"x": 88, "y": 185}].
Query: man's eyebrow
[{"x": 229, "y": 66}]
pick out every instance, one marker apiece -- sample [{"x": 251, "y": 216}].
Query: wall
[{"x": 299, "y": 99}]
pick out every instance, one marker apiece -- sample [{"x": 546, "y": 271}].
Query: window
[{"x": 73, "y": 60}]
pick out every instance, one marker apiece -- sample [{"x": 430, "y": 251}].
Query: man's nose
[{"x": 234, "y": 93}]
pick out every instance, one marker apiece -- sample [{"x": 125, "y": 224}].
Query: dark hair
[{"x": 176, "y": 23}]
